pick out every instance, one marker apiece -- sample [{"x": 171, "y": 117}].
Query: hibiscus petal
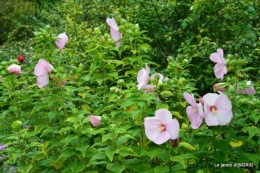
[
  {"x": 112, "y": 23},
  {"x": 223, "y": 103},
  {"x": 221, "y": 53},
  {"x": 43, "y": 80},
  {"x": 224, "y": 116},
  {"x": 190, "y": 99},
  {"x": 39, "y": 70},
  {"x": 162, "y": 138},
  {"x": 141, "y": 75},
  {"x": 216, "y": 58},
  {"x": 220, "y": 70},
  {"x": 116, "y": 35},
  {"x": 152, "y": 134},
  {"x": 250, "y": 90},
  {"x": 173, "y": 128},
  {"x": 152, "y": 123},
  {"x": 62, "y": 40},
  {"x": 211, "y": 119},
  {"x": 210, "y": 99},
  {"x": 163, "y": 115},
  {"x": 95, "y": 120}
]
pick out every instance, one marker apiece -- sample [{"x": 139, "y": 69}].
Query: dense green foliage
[{"x": 47, "y": 130}]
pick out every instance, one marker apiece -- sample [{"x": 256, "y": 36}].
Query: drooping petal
[
  {"x": 173, "y": 128},
  {"x": 42, "y": 67},
  {"x": 43, "y": 80},
  {"x": 216, "y": 58},
  {"x": 141, "y": 75},
  {"x": 112, "y": 23},
  {"x": 162, "y": 138},
  {"x": 250, "y": 90},
  {"x": 220, "y": 70},
  {"x": 116, "y": 35},
  {"x": 61, "y": 40},
  {"x": 190, "y": 99},
  {"x": 95, "y": 120},
  {"x": 163, "y": 115},
  {"x": 151, "y": 123},
  {"x": 39, "y": 70},
  {"x": 221, "y": 54},
  {"x": 195, "y": 116}
]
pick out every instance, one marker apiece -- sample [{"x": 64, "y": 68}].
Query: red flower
[{"x": 20, "y": 58}]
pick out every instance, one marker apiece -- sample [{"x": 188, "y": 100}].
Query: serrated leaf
[
  {"x": 166, "y": 94},
  {"x": 252, "y": 131},
  {"x": 127, "y": 152},
  {"x": 161, "y": 169},
  {"x": 25, "y": 168},
  {"x": 118, "y": 168},
  {"x": 254, "y": 158},
  {"x": 77, "y": 168},
  {"x": 69, "y": 138},
  {"x": 186, "y": 145},
  {"x": 110, "y": 154},
  {"x": 178, "y": 159},
  {"x": 71, "y": 119},
  {"x": 177, "y": 114},
  {"x": 82, "y": 149},
  {"x": 58, "y": 164},
  {"x": 124, "y": 139},
  {"x": 67, "y": 153}
]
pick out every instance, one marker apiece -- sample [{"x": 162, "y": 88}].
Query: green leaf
[
  {"x": 252, "y": 131},
  {"x": 69, "y": 138},
  {"x": 178, "y": 159},
  {"x": 77, "y": 168},
  {"x": 166, "y": 94},
  {"x": 51, "y": 130},
  {"x": 186, "y": 145},
  {"x": 124, "y": 139},
  {"x": 67, "y": 153},
  {"x": 25, "y": 168},
  {"x": 110, "y": 154},
  {"x": 161, "y": 169},
  {"x": 71, "y": 119},
  {"x": 254, "y": 158},
  {"x": 117, "y": 168},
  {"x": 82, "y": 149},
  {"x": 127, "y": 152}
]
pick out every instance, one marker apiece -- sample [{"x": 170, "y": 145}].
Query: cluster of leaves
[{"x": 47, "y": 130}]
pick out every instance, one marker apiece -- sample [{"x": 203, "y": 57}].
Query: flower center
[
  {"x": 213, "y": 109},
  {"x": 162, "y": 128}
]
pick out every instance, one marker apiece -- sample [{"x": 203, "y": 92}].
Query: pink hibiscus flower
[
  {"x": 41, "y": 70},
  {"x": 61, "y": 41},
  {"x": 14, "y": 69},
  {"x": 162, "y": 127},
  {"x": 195, "y": 111},
  {"x": 114, "y": 30},
  {"x": 217, "y": 109},
  {"x": 220, "y": 69},
  {"x": 95, "y": 120},
  {"x": 143, "y": 77}
]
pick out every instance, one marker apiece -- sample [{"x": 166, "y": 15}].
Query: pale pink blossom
[
  {"x": 195, "y": 111},
  {"x": 143, "y": 77},
  {"x": 95, "y": 120},
  {"x": 14, "y": 69},
  {"x": 217, "y": 109},
  {"x": 248, "y": 91},
  {"x": 162, "y": 127},
  {"x": 114, "y": 30},
  {"x": 61, "y": 40},
  {"x": 220, "y": 69},
  {"x": 41, "y": 70}
]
